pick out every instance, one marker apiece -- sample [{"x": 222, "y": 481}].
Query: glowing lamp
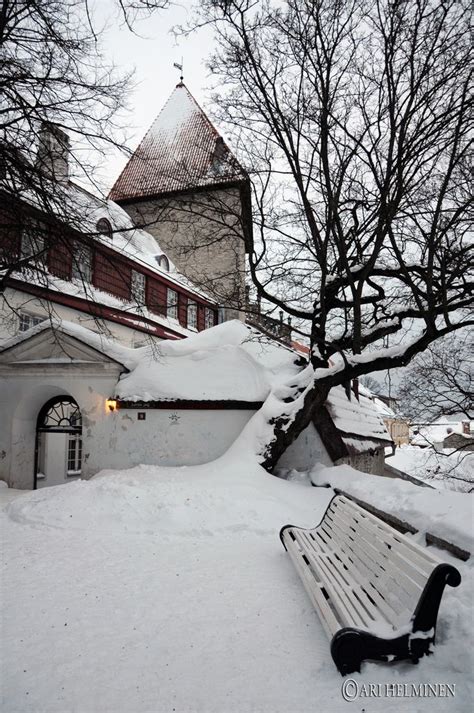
[{"x": 111, "y": 404}]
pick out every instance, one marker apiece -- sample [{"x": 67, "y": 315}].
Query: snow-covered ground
[
  {"x": 453, "y": 470},
  {"x": 167, "y": 589}
]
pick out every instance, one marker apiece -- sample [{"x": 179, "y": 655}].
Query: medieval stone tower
[{"x": 185, "y": 187}]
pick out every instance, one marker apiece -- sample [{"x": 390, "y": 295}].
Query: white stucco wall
[
  {"x": 118, "y": 439},
  {"x": 171, "y": 437},
  {"x": 306, "y": 451},
  {"x": 23, "y": 395}
]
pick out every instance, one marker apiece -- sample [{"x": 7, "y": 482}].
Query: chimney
[
  {"x": 52, "y": 158},
  {"x": 466, "y": 427}
]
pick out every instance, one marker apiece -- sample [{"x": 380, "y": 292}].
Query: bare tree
[
  {"x": 353, "y": 119},
  {"x": 58, "y": 96},
  {"x": 62, "y": 105},
  {"x": 440, "y": 381}
]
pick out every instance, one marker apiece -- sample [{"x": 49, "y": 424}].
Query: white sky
[{"x": 152, "y": 54}]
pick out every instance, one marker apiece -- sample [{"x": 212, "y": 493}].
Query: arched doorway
[{"x": 58, "y": 450}]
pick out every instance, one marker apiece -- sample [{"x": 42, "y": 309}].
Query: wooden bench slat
[
  {"x": 423, "y": 559},
  {"x": 377, "y": 573},
  {"x": 387, "y": 558},
  {"x": 314, "y": 590},
  {"x": 406, "y": 549},
  {"x": 346, "y": 608},
  {"x": 368, "y": 590}
]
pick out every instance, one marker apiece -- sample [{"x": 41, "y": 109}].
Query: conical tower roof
[{"x": 181, "y": 151}]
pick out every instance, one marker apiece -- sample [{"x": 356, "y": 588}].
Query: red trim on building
[
  {"x": 190, "y": 405},
  {"x": 149, "y": 272},
  {"x": 59, "y": 260},
  {"x": 112, "y": 275},
  {"x": 95, "y": 309}
]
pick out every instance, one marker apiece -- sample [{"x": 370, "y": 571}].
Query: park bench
[{"x": 376, "y": 591}]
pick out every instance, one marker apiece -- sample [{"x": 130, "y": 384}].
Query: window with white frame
[
  {"x": 171, "y": 303},
  {"x": 192, "y": 315},
  {"x": 208, "y": 317},
  {"x": 138, "y": 288},
  {"x": 32, "y": 245},
  {"x": 28, "y": 320},
  {"x": 74, "y": 454},
  {"x": 82, "y": 262}
]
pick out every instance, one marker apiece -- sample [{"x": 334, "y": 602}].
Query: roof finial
[{"x": 180, "y": 67}]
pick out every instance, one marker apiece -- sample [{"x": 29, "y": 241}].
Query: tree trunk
[{"x": 287, "y": 428}]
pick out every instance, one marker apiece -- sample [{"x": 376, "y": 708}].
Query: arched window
[
  {"x": 58, "y": 442},
  {"x": 163, "y": 262},
  {"x": 104, "y": 227},
  {"x": 60, "y": 414}
]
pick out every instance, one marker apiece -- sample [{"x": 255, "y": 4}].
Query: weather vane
[{"x": 180, "y": 67}]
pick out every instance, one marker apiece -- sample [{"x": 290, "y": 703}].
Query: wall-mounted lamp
[{"x": 111, "y": 404}]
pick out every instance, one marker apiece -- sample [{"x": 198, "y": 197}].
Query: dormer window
[
  {"x": 163, "y": 262},
  {"x": 104, "y": 227}
]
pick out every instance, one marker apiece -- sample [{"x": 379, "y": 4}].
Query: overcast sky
[{"x": 152, "y": 53}]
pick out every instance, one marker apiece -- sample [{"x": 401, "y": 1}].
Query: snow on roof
[
  {"x": 437, "y": 431},
  {"x": 356, "y": 417},
  {"x": 127, "y": 239},
  {"x": 82, "y": 210},
  {"x": 229, "y": 362},
  {"x": 380, "y": 405},
  {"x": 225, "y": 363},
  {"x": 235, "y": 362},
  {"x": 181, "y": 150},
  {"x": 127, "y": 356},
  {"x": 132, "y": 315}
]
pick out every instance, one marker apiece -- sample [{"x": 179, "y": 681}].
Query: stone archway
[{"x": 58, "y": 442}]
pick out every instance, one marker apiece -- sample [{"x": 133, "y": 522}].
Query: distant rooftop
[{"x": 182, "y": 150}]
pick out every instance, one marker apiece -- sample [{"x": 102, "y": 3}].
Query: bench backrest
[{"x": 391, "y": 569}]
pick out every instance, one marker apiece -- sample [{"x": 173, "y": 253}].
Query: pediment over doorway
[{"x": 51, "y": 346}]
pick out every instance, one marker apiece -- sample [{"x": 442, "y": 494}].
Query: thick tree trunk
[{"x": 286, "y": 429}]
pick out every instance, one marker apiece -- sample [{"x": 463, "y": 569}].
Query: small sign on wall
[{"x": 141, "y": 415}]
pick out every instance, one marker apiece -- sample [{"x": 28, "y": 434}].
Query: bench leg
[{"x": 350, "y": 647}]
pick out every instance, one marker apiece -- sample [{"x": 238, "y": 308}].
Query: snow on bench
[{"x": 377, "y": 593}]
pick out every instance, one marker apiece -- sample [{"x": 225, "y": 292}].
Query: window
[
  {"x": 171, "y": 303},
  {"x": 28, "y": 320},
  {"x": 82, "y": 263},
  {"x": 138, "y": 287},
  {"x": 32, "y": 245},
  {"x": 103, "y": 227},
  {"x": 208, "y": 318},
  {"x": 192, "y": 315},
  {"x": 74, "y": 454}
]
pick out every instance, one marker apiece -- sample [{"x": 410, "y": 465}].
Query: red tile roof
[{"x": 181, "y": 150}]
